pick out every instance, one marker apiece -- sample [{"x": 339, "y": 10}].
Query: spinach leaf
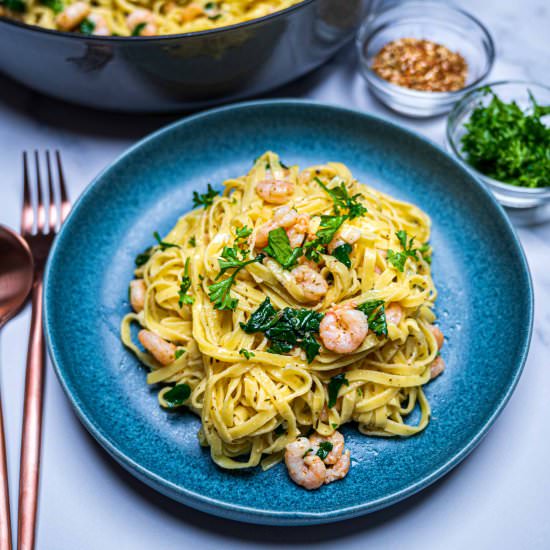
[
  {"x": 17, "y": 6},
  {"x": 342, "y": 252},
  {"x": 177, "y": 396},
  {"x": 55, "y": 5},
  {"x": 336, "y": 382},
  {"x": 261, "y": 319},
  {"x": 87, "y": 27},
  {"x": 376, "y": 315},
  {"x": 279, "y": 248}
]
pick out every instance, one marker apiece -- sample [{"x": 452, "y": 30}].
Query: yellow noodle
[
  {"x": 252, "y": 408},
  {"x": 169, "y": 16}
]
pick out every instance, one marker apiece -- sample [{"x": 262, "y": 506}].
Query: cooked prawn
[
  {"x": 437, "y": 367},
  {"x": 72, "y": 16},
  {"x": 346, "y": 235},
  {"x": 274, "y": 191},
  {"x": 137, "y": 294},
  {"x": 139, "y": 17},
  {"x": 394, "y": 313},
  {"x": 313, "y": 285},
  {"x": 339, "y": 470},
  {"x": 337, "y": 441},
  {"x": 343, "y": 329},
  {"x": 439, "y": 337},
  {"x": 296, "y": 226},
  {"x": 164, "y": 352},
  {"x": 305, "y": 469},
  {"x": 192, "y": 11}
]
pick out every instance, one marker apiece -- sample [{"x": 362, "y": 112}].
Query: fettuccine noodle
[{"x": 252, "y": 407}]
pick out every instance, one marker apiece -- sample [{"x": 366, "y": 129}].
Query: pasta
[
  {"x": 231, "y": 357},
  {"x": 139, "y": 17}
]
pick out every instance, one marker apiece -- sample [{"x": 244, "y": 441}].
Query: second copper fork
[{"x": 39, "y": 225}]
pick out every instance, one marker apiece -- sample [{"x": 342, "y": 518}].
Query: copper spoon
[{"x": 16, "y": 275}]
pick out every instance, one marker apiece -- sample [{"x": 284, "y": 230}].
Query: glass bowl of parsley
[{"x": 501, "y": 132}]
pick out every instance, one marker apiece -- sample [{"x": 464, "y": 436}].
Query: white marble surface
[{"x": 497, "y": 498}]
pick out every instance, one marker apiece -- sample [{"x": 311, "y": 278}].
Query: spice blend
[{"x": 421, "y": 65}]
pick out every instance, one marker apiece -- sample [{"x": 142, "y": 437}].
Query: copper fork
[{"x": 39, "y": 225}]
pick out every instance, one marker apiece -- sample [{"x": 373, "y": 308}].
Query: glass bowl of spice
[
  {"x": 501, "y": 133},
  {"x": 420, "y": 57}
]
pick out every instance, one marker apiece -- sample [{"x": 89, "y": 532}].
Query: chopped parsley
[
  {"x": 327, "y": 230},
  {"x": 138, "y": 28},
  {"x": 280, "y": 250},
  {"x": 192, "y": 241},
  {"x": 286, "y": 329},
  {"x": 342, "y": 252},
  {"x": 87, "y": 27},
  {"x": 324, "y": 449},
  {"x": 219, "y": 292},
  {"x": 246, "y": 354},
  {"x": 179, "y": 352},
  {"x": 163, "y": 245},
  {"x": 398, "y": 259},
  {"x": 342, "y": 200},
  {"x": 509, "y": 144},
  {"x": 185, "y": 285},
  {"x": 205, "y": 199},
  {"x": 18, "y": 6},
  {"x": 426, "y": 251},
  {"x": 55, "y": 5},
  {"x": 376, "y": 315},
  {"x": 177, "y": 396},
  {"x": 336, "y": 382}
]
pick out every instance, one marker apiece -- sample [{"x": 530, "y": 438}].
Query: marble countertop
[{"x": 498, "y": 497}]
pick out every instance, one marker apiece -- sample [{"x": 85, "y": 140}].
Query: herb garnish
[
  {"x": 185, "y": 285},
  {"x": 143, "y": 258},
  {"x": 508, "y": 144},
  {"x": 177, "y": 396},
  {"x": 324, "y": 449},
  {"x": 342, "y": 199},
  {"x": 205, "y": 199},
  {"x": 179, "y": 353},
  {"x": 87, "y": 27},
  {"x": 192, "y": 241},
  {"x": 279, "y": 248},
  {"x": 287, "y": 328},
  {"x": 219, "y": 292},
  {"x": 246, "y": 354},
  {"x": 376, "y": 315},
  {"x": 280, "y": 430},
  {"x": 163, "y": 245},
  {"x": 55, "y": 5},
  {"x": 342, "y": 252},
  {"x": 336, "y": 382},
  {"x": 138, "y": 28},
  {"x": 398, "y": 259},
  {"x": 327, "y": 230},
  {"x": 17, "y": 6}
]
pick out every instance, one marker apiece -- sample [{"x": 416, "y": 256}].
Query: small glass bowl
[
  {"x": 444, "y": 24},
  {"x": 526, "y": 205}
]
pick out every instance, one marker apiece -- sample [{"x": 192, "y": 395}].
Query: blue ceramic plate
[{"x": 485, "y": 306}]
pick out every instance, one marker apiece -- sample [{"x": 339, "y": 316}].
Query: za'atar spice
[{"x": 421, "y": 64}]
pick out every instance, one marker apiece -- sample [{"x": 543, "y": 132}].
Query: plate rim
[{"x": 251, "y": 514}]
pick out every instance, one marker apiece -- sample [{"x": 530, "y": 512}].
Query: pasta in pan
[
  {"x": 295, "y": 301},
  {"x": 138, "y": 17}
]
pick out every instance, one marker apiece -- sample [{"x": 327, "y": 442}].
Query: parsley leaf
[
  {"x": 205, "y": 199},
  {"x": 279, "y": 248},
  {"x": 398, "y": 259},
  {"x": 55, "y": 5},
  {"x": 376, "y": 315},
  {"x": 192, "y": 241},
  {"x": 177, "y": 396},
  {"x": 219, "y": 292},
  {"x": 246, "y": 354},
  {"x": 143, "y": 258},
  {"x": 87, "y": 27},
  {"x": 163, "y": 245},
  {"x": 185, "y": 285},
  {"x": 328, "y": 228},
  {"x": 179, "y": 353},
  {"x": 243, "y": 233},
  {"x": 342, "y": 252},
  {"x": 342, "y": 199},
  {"x": 336, "y": 382},
  {"x": 138, "y": 28},
  {"x": 324, "y": 449}
]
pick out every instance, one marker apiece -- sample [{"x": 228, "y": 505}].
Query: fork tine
[
  {"x": 52, "y": 219},
  {"x": 27, "y": 214},
  {"x": 41, "y": 218},
  {"x": 65, "y": 202}
]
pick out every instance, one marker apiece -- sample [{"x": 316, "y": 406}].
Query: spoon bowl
[{"x": 16, "y": 273}]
